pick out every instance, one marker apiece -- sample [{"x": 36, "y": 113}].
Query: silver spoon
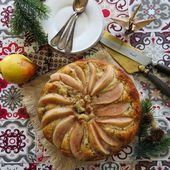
[
  {"x": 64, "y": 38},
  {"x": 62, "y": 34},
  {"x": 79, "y": 7}
]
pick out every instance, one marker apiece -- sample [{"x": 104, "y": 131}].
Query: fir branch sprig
[
  {"x": 26, "y": 18},
  {"x": 146, "y": 106},
  {"x": 151, "y": 140},
  {"x": 146, "y": 118},
  {"x": 147, "y": 148}
]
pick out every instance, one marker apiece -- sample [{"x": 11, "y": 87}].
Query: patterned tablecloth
[{"x": 20, "y": 147}]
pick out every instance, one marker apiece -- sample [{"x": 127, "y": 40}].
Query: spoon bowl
[
  {"x": 64, "y": 38},
  {"x": 79, "y": 6},
  {"x": 88, "y": 29}
]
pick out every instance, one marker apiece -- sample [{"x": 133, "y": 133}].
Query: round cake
[{"x": 89, "y": 109}]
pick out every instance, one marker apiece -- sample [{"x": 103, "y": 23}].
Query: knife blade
[
  {"x": 124, "y": 48},
  {"x": 133, "y": 60},
  {"x": 130, "y": 52}
]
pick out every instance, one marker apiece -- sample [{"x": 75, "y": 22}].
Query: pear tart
[{"x": 89, "y": 109}]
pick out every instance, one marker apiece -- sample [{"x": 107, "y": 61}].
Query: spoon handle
[
  {"x": 69, "y": 44},
  {"x": 56, "y": 39},
  {"x": 63, "y": 40}
]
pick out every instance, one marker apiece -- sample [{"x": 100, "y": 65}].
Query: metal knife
[{"x": 133, "y": 60}]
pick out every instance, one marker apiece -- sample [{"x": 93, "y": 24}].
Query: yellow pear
[{"x": 17, "y": 68}]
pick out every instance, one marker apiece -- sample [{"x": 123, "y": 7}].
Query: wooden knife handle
[
  {"x": 163, "y": 69},
  {"x": 164, "y": 88}
]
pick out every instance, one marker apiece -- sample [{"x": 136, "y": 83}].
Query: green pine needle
[
  {"x": 27, "y": 17},
  {"x": 145, "y": 147},
  {"x": 146, "y": 106}
]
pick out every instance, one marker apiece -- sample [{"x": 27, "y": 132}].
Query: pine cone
[
  {"x": 148, "y": 139},
  {"x": 147, "y": 119},
  {"x": 29, "y": 39},
  {"x": 156, "y": 134}
]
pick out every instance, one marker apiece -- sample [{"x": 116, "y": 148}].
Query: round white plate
[{"x": 89, "y": 25}]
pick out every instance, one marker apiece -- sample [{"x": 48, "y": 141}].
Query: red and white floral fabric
[{"x": 20, "y": 146}]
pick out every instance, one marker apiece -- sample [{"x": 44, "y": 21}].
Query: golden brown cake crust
[{"x": 89, "y": 109}]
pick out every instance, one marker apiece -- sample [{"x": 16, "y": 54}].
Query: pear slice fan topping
[
  {"x": 76, "y": 139},
  {"x": 104, "y": 81},
  {"x": 91, "y": 109},
  {"x": 110, "y": 96},
  {"x": 95, "y": 140},
  {"x": 79, "y": 72},
  {"x": 56, "y": 113},
  {"x": 68, "y": 80},
  {"x": 92, "y": 78},
  {"x": 61, "y": 129}
]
